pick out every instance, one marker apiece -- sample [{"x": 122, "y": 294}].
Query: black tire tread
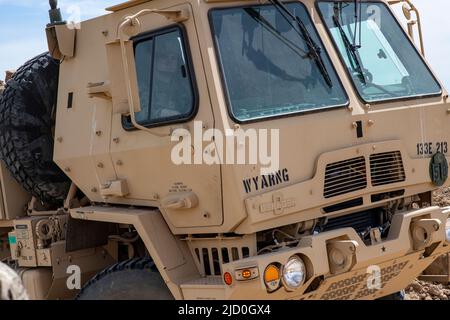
[
  {"x": 26, "y": 140},
  {"x": 141, "y": 263}
]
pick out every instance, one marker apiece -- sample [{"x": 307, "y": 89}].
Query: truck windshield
[
  {"x": 273, "y": 66},
  {"x": 382, "y": 61}
]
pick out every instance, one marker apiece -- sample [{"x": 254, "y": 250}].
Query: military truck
[{"x": 115, "y": 183}]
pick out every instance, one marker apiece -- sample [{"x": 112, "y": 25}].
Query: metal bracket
[
  {"x": 116, "y": 188},
  {"x": 341, "y": 255},
  {"x": 422, "y": 232}
]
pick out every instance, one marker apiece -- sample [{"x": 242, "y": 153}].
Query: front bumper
[{"x": 399, "y": 259}]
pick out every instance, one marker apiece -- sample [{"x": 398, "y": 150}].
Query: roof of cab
[{"x": 125, "y": 5}]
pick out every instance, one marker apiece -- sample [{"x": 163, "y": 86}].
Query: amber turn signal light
[
  {"x": 272, "y": 277},
  {"x": 227, "y": 278}
]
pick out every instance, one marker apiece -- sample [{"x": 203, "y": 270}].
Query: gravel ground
[
  {"x": 422, "y": 290},
  {"x": 442, "y": 197}
]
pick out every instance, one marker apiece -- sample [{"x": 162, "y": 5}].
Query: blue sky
[
  {"x": 22, "y": 35},
  {"x": 22, "y": 26}
]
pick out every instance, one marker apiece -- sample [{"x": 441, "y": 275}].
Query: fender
[{"x": 171, "y": 256}]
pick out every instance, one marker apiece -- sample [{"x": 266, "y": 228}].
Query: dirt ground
[{"x": 421, "y": 290}]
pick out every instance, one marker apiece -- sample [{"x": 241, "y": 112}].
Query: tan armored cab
[{"x": 229, "y": 150}]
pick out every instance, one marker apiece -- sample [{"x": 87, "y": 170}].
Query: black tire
[
  {"x": 27, "y": 109},
  {"x": 135, "y": 279}
]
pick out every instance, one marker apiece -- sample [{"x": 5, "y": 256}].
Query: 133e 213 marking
[{"x": 429, "y": 148}]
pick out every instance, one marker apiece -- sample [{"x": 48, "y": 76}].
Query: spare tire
[{"x": 27, "y": 117}]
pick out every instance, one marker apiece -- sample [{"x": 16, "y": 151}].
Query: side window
[{"x": 166, "y": 87}]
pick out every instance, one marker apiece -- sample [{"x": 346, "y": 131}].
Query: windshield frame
[
  {"x": 224, "y": 84},
  {"x": 344, "y": 65}
]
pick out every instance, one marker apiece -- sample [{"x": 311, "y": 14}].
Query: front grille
[
  {"x": 360, "y": 221},
  {"x": 387, "y": 168},
  {"x": 211, "y": 259},
  {"x": 345, "y": 176},
  {"x": 211, "y": 251}
]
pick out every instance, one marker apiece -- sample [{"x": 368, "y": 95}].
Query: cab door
[{"x": 173, "y": 95}]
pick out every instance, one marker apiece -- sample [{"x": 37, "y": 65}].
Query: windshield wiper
[
  {"x": 269, "y": 27},
  {"x": 351, "y": 51},
  {"x": 314, "y": 49}
]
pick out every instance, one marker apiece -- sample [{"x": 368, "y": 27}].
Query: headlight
[{"x": 294, "y": 273}]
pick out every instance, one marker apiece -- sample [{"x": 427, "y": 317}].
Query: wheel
[
  {"x": 135, "y": 279},
  {"x": 27, "y": 112}
]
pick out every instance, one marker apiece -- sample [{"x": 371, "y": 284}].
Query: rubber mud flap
[{"x": 27, "y": 116}]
